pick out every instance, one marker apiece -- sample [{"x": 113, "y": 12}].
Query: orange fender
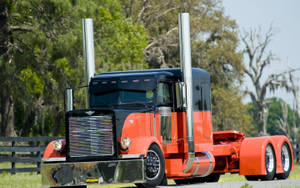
[
  {"x": 252, "y": 155},
  {"x": 51, "y": 153},
  {"x": 138, "y": 127},
  {"x": 278, "y": 141},
  {"x": 140, "y": 145}
]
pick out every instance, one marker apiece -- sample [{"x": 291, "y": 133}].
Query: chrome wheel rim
[
  {"x": 152, "y": 165},
  {"x": 285, "y": 158},
  {"x": 270, "y": 158}
]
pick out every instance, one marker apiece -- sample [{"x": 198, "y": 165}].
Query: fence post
[
  {"x": 38, "y": 155},
  {"x": 13, "y": 154},
  {"x": 297, "y": 152}
]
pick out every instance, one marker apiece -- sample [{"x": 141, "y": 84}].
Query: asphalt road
[{"x": 255, "y": 184}]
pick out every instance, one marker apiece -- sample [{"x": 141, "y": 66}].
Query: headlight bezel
[
  {"x": 57, "y": 145},
  {"x": 125, "y": 143}
]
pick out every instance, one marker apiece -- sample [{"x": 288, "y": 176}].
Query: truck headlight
[
  {"x": 57, "y": 145},
  {"x": 125, "y": 143}
]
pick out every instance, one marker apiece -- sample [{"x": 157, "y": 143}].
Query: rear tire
[
  {"x": 270, "y": 163},
  {"x": 286, "y": 161},
  {"x": 155, "y": 167}
]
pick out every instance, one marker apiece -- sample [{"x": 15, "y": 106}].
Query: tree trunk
[
  {"x": 28, "y": 124},
  {"x": 7, "y": 115},
  {"x": 262, "y": 118},
  {"x": 59, "y": 119},
  {"x": 4, "y": 30}
]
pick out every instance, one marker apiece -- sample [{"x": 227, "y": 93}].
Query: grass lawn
[{"x": 33, "y": 180}]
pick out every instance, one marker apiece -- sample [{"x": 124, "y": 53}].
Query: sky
[{"x": 284, "y": 16}]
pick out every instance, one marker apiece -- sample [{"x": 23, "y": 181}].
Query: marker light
[{"x": 125, "y": 143}]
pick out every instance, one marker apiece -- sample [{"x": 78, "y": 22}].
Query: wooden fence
[
  {"x": 31, "y": 149},
  {"x": 23, "y": 150},
  {"x": 297, "y": 152}
]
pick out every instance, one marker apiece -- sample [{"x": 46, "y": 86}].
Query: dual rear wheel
[
  {"x": 286, "y": 161},
  {"x": 270, "y": 164}
]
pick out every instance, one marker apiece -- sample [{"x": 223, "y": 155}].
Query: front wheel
[
  {"x": 155, "y": 167},
  {"x": 286, "y": 161}
]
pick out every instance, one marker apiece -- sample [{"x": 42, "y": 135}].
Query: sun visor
[{"x": 127, "y": 83}]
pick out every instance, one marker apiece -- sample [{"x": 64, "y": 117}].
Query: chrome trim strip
[
  {"x": 131, "y": 156},
  {"x": 53, "y": 159},
  {"x": 210, "y": 165},
  {"x": 154, "y": 123},
  {"x": 197, "y": 167}
]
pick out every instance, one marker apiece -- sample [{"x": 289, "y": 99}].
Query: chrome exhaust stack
[
  {"x": 69, "y": 99},
  {"x": 186, "y": 69},
  {"x": 88, "y": 53}
]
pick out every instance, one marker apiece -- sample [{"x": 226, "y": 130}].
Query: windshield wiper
[
  {"x": 136, "y": 104},
  {"x": 105, "y": 104}
]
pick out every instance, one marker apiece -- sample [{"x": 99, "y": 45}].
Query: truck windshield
[
  {"x": 126, "y": 91},
  {"x": 122, "y": 97}
]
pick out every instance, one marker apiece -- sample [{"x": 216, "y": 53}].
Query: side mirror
[
  {"x": 180, "y": 95},
  {"x": 69, "y": 99}
]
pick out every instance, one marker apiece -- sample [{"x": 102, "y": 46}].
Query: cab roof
[{"x": 172, "y": 72}]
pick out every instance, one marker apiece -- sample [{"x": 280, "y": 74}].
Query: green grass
[
  {"x": 235, "y": 177},
  {"x": 33, "y": 180}
]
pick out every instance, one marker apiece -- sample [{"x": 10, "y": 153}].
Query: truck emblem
[{"x": 90, "y": 113}]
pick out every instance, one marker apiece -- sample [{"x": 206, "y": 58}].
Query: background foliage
[
  {"x": 44, "y": 56},
  {"x": 41, "y": 55}
]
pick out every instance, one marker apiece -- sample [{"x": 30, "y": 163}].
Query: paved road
[{"x": 238, "y": 184}]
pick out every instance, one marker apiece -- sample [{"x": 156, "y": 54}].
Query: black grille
[{"x": 91, "y": 136}]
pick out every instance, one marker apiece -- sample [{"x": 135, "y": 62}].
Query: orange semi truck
[{"x": 147, "y": 126}]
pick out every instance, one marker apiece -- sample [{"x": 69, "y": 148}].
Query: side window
[{"x": 164, "y": 94}]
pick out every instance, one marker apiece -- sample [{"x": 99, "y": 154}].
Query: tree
[
  {"x": 282, "y": 123},
  {"x": 214, "y": 48},
  {"x": 296, "y": 115},
  {"x": 280, "y": 119},
  {"x": 42, "y": 55},
  {"x": 257, "y": 58}
]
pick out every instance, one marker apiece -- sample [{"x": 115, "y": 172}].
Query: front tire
[
  {"x": 286, "y": 161},
  {"x": 155, "y": 167}
]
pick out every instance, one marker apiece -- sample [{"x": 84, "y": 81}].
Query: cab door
[{"x": 164, "y": 110}]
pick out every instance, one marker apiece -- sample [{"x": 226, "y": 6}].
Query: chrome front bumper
[{"x": 96, "y": 172}]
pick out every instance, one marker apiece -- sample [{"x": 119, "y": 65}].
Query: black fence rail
[
  {"x": 296, "y": 148},
  {"x": 23, "y": 150}
]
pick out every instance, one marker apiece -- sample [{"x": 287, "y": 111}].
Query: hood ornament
[{"x": 90, "y": 113}]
